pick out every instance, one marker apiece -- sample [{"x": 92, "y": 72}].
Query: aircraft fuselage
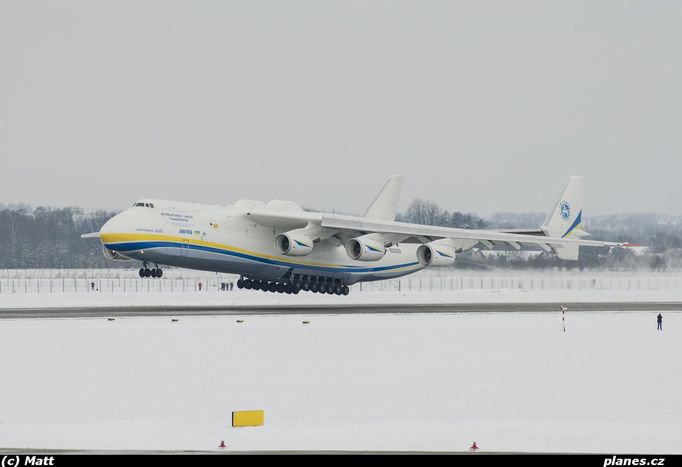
[{"x": 223, "y": 239}]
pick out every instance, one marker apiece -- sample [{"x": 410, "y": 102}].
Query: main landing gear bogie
[
  {"x": 279, "y": 287},
  {"x": 294, "y": 286},
  {"x": 145, "y": 272}
]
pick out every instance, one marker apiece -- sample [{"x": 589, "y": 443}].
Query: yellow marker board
[{"x": 248, "y": 418}]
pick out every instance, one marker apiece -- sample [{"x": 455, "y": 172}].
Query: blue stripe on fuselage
[{"x": 134, "y": 246}]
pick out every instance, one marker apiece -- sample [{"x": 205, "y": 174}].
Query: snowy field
[{"x": 510, "y": 382}]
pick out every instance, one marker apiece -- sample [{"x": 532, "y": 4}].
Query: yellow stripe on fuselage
[{"x": 136, "y": 237}]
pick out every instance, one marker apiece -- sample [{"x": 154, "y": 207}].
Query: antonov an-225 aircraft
[{"x": 279, "y": 247}]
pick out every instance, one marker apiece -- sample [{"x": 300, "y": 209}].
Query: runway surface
[
  {"x": 96, "y": 312},
  {"x": 67, "y": 452}
]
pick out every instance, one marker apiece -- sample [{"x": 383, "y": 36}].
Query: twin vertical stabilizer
[
  {"x": 566, "y": 218},
  {"x": 385, "y": 204}
]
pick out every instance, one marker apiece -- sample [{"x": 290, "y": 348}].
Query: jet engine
[
  {"x": 365, "y": 249},
  {"x": 435, "y": 255},
  {"x": 115, "y": 255},
  {"x": 293, "y": 244}
]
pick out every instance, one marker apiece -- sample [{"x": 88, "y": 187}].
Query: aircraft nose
[{"x": 116, "y": 224}]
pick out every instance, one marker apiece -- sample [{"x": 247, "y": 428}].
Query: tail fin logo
[{"x": 565, "y": 210}]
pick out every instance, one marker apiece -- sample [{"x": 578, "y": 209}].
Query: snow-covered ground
[{"x": 509, "y": 381}]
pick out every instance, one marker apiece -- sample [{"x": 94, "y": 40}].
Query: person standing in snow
[{"x": 659, "y": 320}]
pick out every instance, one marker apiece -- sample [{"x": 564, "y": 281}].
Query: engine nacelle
[
  {"x": 114, "y": 255},
  {"x": 293, "y": 244},
  {"x": 435, "y": 255},
  {"x": 365, "y": 249}
]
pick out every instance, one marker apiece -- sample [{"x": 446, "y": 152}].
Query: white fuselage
[{"x": 223, "y": 239}]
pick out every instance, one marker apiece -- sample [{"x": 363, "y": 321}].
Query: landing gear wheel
[
  {"x": 280, "y": 287},
  {"x": 313, "y": 287},
  {"x": 345, "y": 290},
  {"x": 330, "y": 289},
  {"x": 240, "y": 283},
  {"x": 289, "y": 289},
  {"x": 147, "y": 272},
  {"x": 272, "y": 287},
  {"x": 306, "y": 286},
  {"x": 248, "y": 284},
  {"x": 338, "y": 290},
  {"x": 141, "y": 272},
  {"x": 159, "y": 273}
]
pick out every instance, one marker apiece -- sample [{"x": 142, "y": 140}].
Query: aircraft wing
[
  {"x": 520, "y": 231},
  {"x": 427, "y": 233},
  {"x": 378, "y": 225},
  {"x": 348, "y": 226}
]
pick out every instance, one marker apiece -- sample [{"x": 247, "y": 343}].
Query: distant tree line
[
  {"x": 429, "y": 213},
  {"x": 50, "y": 238},
  {"x": 47, "y": 237}
]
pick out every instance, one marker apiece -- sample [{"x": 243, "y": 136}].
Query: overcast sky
[{"x": 485, "y": 106}]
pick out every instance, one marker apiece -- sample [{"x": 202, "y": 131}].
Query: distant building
[
  {"x": 640, "y": 250},
  {"x": 524, "y": 255}
]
